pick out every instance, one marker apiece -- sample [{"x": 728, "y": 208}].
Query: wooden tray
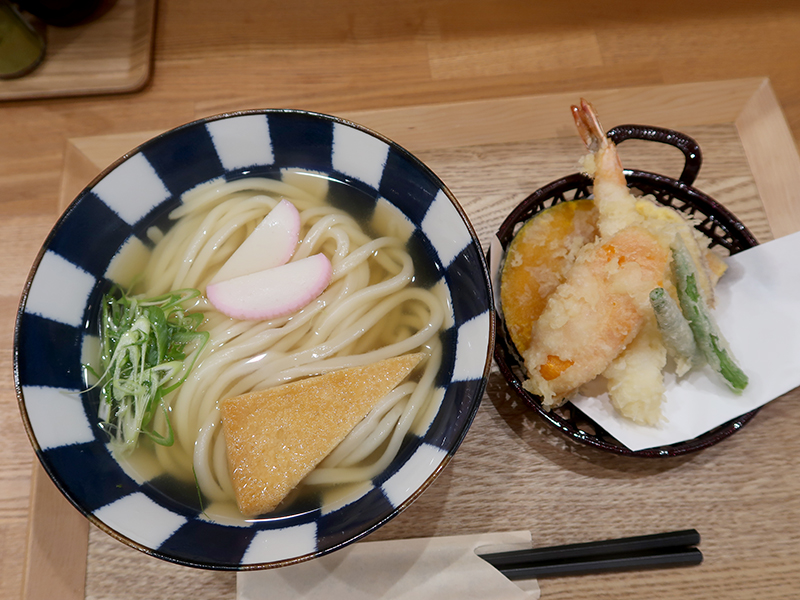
[
  {"x": 109, "y": 55},
  {"x": 511, "y": 469}
]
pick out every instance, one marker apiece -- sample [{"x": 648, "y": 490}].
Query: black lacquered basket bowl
[{"x": 723, "y": 229}]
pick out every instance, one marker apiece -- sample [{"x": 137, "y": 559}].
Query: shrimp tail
[
  {"x": 588, "y": 125},
  {"x": 612, "y": 197}
]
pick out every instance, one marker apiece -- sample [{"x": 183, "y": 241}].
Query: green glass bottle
[{"x": 22, "y": 48}]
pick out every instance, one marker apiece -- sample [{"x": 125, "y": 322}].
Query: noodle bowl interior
[{"x": 373, "y": 309}]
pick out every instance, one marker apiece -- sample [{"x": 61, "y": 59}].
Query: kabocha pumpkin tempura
[{"x": 611, "y": 287}]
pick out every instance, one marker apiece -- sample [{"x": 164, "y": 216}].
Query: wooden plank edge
[
  {"x": 520, "y": 118},
  {"x": 774, "y": 161},
  {"x": 142, "y": 60},
  {"x": 56, "y": 555},
  {"x": 54, "y": 569},
  {"x": 86, "y": 157},
  {"x": 77, "y": 172}
]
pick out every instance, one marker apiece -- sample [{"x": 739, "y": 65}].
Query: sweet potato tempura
[{"x": 537, "y": 262}]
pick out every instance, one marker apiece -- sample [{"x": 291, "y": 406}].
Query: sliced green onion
[{"x": 143, "y": 345}]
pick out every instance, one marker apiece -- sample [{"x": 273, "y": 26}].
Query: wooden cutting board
[{"x": 111, "y": 54}]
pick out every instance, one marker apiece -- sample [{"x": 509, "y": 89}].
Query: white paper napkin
[
  {"x": 439, "y": 568},
  {"x": 757, "y": 311}
]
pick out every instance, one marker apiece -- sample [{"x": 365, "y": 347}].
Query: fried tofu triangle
[{"x": 275, "y": 437}]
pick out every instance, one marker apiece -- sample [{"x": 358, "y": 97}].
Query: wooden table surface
[{"x": 353, "y": 56}]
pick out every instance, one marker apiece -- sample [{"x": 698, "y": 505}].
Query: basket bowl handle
[{"x": 690, "y": 148}]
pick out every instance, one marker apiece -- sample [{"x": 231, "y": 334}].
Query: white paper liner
[
  {"x": 757, "y": 311},
  {"x": 438, "y": 568}
]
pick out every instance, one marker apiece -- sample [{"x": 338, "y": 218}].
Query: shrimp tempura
[
  {"x": 602, "y": 306},
  {"x": 614, "y": 201},
  {"x": 591, "y": 317}
]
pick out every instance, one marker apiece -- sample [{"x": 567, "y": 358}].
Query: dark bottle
[{"x": 65, "y": 13}]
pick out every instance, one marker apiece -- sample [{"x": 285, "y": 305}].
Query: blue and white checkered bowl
[{"x": 77, "y": 265}]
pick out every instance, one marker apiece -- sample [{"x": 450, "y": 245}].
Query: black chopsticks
[{"x": 672, "y": 549}]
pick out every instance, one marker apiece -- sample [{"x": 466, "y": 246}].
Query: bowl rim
[{"x": 454, "y": 441}]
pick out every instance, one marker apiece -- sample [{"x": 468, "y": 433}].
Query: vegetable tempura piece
[
  {"x": 675, "y": 330},
  {"x": 668, "y": 224},
  {"x": 537, "y": 262},
  {"x": 635, "y": 380},
  {"x": 709, "y": 338}
]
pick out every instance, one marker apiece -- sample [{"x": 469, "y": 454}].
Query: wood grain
[
  {"x": 761, "y": 125},
  {"x": 50, "y": 566},
  {"x": 109, "y": 55},
  {"x": 512, "y": 471}
]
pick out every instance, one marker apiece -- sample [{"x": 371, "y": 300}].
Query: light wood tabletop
[{"x": 480, "y": 91}]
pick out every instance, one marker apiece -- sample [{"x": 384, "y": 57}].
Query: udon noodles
[{"x": 371, "y": 310}]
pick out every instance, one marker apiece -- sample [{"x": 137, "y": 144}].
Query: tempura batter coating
[
  {"x": 537, "y": 262},
  {"x": 600, "y": 319},
  {"x": 595, "y": 313},
  {"x": 634, "y": 378}
]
